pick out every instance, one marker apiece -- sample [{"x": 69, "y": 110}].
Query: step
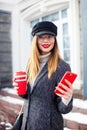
[
  {"x": 10, "y": 104},
  {"x": 77, "y": 118}
]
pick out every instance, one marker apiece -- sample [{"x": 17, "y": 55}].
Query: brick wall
[
  {"x": 8, "y": 110},
  {"x": 5, "y": 50}
]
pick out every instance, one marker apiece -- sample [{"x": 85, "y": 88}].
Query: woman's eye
[
  {"x": 49, "y": 36},
  {"x": 40, "y": 37}
]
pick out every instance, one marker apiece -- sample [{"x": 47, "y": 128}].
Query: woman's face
[{"x": 45, "y": 43}]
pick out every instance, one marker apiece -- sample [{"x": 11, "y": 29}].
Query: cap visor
[{"x": 45, "y": 32}]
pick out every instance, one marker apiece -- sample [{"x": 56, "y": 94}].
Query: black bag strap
[{"x": 21, "y": 110}]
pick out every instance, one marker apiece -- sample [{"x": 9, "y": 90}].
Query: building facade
[{"x": 65, "y": 14}]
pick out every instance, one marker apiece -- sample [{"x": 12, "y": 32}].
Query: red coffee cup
[{"x": 21, "y": 79}]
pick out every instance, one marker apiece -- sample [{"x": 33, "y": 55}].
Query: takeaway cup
[{"x": 21, "y": 79}]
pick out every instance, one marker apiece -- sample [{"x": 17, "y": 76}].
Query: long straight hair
[{"x": 34, "y": 61}]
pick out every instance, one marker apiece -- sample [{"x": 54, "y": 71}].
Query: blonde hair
[{"x": 33, "y": 65}]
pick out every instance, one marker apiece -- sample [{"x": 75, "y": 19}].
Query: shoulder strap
[{"x": 21, "y": 110}]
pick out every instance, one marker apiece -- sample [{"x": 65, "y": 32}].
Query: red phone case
[{"x": 70, "y": 77}]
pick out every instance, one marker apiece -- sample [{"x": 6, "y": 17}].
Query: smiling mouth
[{"x": 46, "y": 45}]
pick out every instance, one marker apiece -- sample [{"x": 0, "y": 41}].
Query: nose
[{"x": 45, "y": 39}]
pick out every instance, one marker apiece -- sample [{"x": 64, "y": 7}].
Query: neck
[{"x": 44, "y": 58}]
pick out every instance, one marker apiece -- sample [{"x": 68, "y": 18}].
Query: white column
[
  {"x": 25, "y": 42},
  {"x": 75, "y": 40},
  {"x": 20, "y": 41},
  {"x": 15, "y": 40}
]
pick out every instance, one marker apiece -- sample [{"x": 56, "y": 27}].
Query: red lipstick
[{"x": 46, "y": 45}]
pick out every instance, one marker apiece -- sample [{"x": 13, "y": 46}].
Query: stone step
[
  {"x": 77, "y": 118},
  {"x": 10, "y": 105}
]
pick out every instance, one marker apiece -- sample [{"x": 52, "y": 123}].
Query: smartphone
[{"x": 70, "y": 77}]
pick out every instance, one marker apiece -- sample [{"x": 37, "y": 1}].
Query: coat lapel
[{"x": 42, "y": 72}]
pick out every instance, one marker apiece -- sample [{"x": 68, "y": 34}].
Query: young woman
[{"x": 43, "y": 109}]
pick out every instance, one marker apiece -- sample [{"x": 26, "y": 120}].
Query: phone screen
[{"x": 68, "y": 76}]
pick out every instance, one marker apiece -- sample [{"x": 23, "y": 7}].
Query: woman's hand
[
  {"x": 65, "y": 91},
  {"x": 15, "y": 86}
]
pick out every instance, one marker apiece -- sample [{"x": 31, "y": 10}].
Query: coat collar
[{"x": 42, "y": 72}]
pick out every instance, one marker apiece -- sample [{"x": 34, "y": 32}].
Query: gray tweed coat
[{"x": 43, "y": 109}]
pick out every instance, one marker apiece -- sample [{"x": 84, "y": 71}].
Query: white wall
[
  {"x": 21, "y": 31},
  {"x": 74, "y": 21}
]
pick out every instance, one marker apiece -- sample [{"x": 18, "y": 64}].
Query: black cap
[{"x": 44, "y": 27}]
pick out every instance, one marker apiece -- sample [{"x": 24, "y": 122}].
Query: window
[
  {"x": 60, "y": 18},
  {"x": 66, "y": 44},
  {"x": 64, "y": 13},
  {"x": 32, "y": 23},
  {"x": 51, "y": 17}
]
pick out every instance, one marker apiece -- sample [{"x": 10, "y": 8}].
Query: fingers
[
  {"x": 65, "y": 91},
  {"x": 15, "y": 84}
]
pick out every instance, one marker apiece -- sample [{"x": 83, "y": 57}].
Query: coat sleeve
[{"x": 63, "y": 108}]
